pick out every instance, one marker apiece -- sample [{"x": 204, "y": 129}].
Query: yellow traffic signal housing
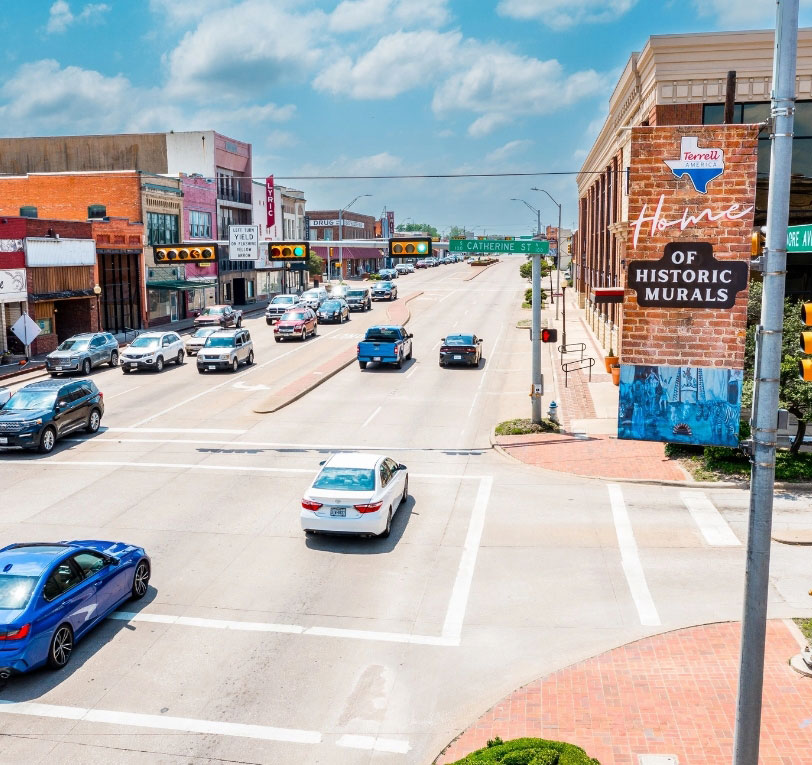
[
  {"x": 805, "y": 365},
  {"x": 805, "y": 369},
  {"x": 806, "y": 314},
  {"x": 289, "y": 251},
  {"x": 418, "y": 247},
  {"x": 806, "y": 342},
  {"x": 758, "y": 241},
  {"x": 185, "y": 253}
]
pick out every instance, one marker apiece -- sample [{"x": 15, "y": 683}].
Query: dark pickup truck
[
  {"x": 219, "y": 316},
  {"x": 385, "y": 344}
]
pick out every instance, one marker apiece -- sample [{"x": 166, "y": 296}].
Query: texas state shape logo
[{"x": 700, "y": 165}]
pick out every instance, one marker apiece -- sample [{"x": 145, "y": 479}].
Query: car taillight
[
  {"x": 309, "y": 504},
  {"x": 17, "y": 634},
  {"x": 358, "y": 348},
  {"x": 371, "y": 508},
  {"x": 445, "y": 349}
]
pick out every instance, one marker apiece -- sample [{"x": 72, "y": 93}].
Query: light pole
[
  {"x": 97, "y": 290},
  {"x": 535, "y": 210},
  {"x": 341, "y": 234},
  {"x": 557, "y": 248}
]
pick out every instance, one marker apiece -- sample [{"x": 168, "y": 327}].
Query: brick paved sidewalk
[{"x": 672, "y": 694}]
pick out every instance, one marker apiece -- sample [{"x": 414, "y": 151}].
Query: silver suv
[
  {"x": 226, "y": 349},
  {"x": 81, "y": 353}
]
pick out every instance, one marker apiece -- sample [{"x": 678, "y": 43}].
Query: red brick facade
[{"x": 688, "y": 336}]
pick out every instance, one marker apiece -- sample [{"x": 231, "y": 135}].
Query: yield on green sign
[
  {"x": 498, "y": 246},
  {"x": 799, "y": 239}
]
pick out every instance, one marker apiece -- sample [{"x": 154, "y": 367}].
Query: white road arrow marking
[
  {"x": 87, "y": 610},
  {"x": 242, "y": 386}
]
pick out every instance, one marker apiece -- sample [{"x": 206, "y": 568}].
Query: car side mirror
[
  {"x": 61, "y": 404},
  {"x": 322, "y": 463},
  {"x": 401, "y": 467},
  {"x": 113, "y": 561},
  {"x": 196, "y": 313},
  {"x": 410, "y": 335},
  {"x": 442, "y": 341}
]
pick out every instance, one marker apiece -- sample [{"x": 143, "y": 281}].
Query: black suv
[{"x": 42, "y": 412}]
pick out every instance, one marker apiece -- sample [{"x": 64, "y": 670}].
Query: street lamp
[
  {"x": 341, "y": 235},
  {"x": 97, "y": 292},
  {"x": 557, "y": 249},
  {"x": 536, "y": 211}
]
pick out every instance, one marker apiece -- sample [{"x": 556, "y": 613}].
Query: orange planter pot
[
  {"x": 616, "y": 374},
  {"x": 610, "y": 361}
]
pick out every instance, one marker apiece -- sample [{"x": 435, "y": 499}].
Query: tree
[
  {"x": 315, "y": 265},
  {"x": 794, "y": 394},
  {"x": 407, "y": 227},
  {"x": 457, "y": 231},
  {"x": 526, "y": 269}
]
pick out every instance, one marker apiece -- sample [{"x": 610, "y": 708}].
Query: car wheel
[
  {"x": 179, "y": 358},
  {"x": 362, "y": 364},
  {"x": 61, "y": 647},
  {"x": 441, "y": 363},
  {"x": 114, "y": 359},
  {"x": 86, "y": 367},
  {"x": 250, "y": 359},
  {"x": 159, "y": 364},
  {"x": 399, "y": 362},
  {"x": 405, "y": 491},
  {"x": 239, "y": 322},
  {"x": 93, "y": 421},
  {"x": 54, "y": 374},
  {"x": 140, "y": 580},
  {"x": 315, "y": 330},
  {"x": 310, "y": 532},
  {"x": 235, "y": 365},
  {"x": 47, "y": 440},
  {"x": 303, "y": 336},
  {"x": 278, "y": 339},
  {"x": 388, "y": 530},
  {"x": 201, "y": 371},
  {"x": 409, "y": 355},
  {"x": 125, "y": 370},
  {"x": 269, "y": 323}
]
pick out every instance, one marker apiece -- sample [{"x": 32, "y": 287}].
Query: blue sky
[{"x": 359, "y": 87}]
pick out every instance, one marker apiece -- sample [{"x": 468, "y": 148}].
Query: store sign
[
  {"x": 45, "y": 251},
  {"x": 11, "y": 245},
  {"x": 699, "y": 165},
  {"x": 270, "y": 207},
  {"x": 687, "y": 276},
  {"x": 329, "y": 222},
  {"x": 390, "y": 216},
  {"x": 12, "y": 285},
  {"x": 243, "y": 242}
]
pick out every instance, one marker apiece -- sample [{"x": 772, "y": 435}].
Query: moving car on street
[
  {"x": 404, "y": 268},
  {"x": 151, "y": 350},
  {"x": 384, "y": 291},
  {"x": 385, "y": 344},
  {"x": 226, "y": 349},
  {"x": 334, "y": 309},
  {"x": 298, "y": 323},
  {"x": 355, "y": 493},
  {"x": 279, "y": 305},
  {"x": 82, "y": 352},
  {"x": 388, "y": 274},
  {"x": 461, "y": 349},
  {"x": 53, "y": 594},
  {"x": 422, "y": 263},
  {"x": 338, "y": 290},
  {"x": 359, "y": 299},
  {"x": 314, "y": 298},
  {"x": 42, "y": 412},
  {"x": 197, "y": 339},
  {"x": 219, "y": 316}
]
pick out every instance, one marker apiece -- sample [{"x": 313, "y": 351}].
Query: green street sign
[
  {"x": 498, "y": 247},
  {"x": 799, "y": 239}
]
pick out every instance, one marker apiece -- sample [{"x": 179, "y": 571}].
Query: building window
[
  {"x": 162, "y": 229},
  {"x": 328, "y": 233},
  {"x": 199, "y": 224}
]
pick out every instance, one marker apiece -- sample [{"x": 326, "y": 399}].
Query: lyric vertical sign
[{"x": 269, "y": 203}]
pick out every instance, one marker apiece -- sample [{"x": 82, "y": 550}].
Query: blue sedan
[{"x": 52, "y": 594}]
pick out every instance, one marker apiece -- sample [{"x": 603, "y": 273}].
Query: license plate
[
  {"x": 284, "y": 331},
  {"x": 376, "y": 358},
  {"x": 3, "y": 440},
  {"x": 212, "y": 366},
  {"x": 457, "y": 358},
  {"x": 132, "y": 366},
  {"x": 338, "y": 512},
  {"x": 58, "y": 369}
]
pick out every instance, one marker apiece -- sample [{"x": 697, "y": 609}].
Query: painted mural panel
[{"x": 685, "y": 404}]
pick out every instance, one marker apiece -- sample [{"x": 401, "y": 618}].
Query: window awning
[{"x": 181, "y": 284}]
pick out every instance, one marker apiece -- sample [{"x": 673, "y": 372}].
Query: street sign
[
  {"x": 799, "y": 239},
  {"x": 498, "y": 246},
  {"x": 26, "y": 329},
  {"x": 243, "y": 242}
]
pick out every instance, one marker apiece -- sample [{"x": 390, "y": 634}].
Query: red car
[{"x": 298, "y": 323}]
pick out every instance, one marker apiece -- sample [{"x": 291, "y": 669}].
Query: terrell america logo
[{"x": 699, "y": 164}]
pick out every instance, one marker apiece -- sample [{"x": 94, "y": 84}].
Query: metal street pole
[
  {"x": 557, "y": 248},
  {"x": 341, "y": 237},
  {"x": 765, "y": 395},
  {"x": 535, "y": 337}
]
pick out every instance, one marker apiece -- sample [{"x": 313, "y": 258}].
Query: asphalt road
[{"x": 257, "y": 645}]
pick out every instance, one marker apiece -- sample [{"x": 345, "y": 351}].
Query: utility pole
[
  {"x": 341, "y": 237},
  {"x": 765, "y": 395},
  {"x": 535, "y": 338},
  {"x": 557, "y": 249}
]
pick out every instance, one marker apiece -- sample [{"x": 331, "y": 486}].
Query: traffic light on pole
[
  {"x": 289, "y": 251},
  {"x": 549, "y": 335},
  {"x": 417, "y": 247},
  {"x": 805, "y": 365},
  {"x": 185, "y": 253}
]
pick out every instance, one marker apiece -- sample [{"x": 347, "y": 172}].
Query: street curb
[
  {"x": 341, "y": 362},
  {"x": 783, "y": 539},
  {"x": 479, "y": 270}
]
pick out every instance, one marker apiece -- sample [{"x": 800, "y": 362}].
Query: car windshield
[
  {"x": 385, "y": 285},
  {"x": 459, "y": 340},
  {"x": 382, "y": 333},
  {"x": 294, "y": 316},
  {"x": 356, "y": 293},
  {"x": 145, "y": 342},
  {"x": 219, "y": 342},
  {"x": 330, "y": 305},
  {"x": 15, "y": 591},
  {"x": 31, "y": 399},
  {"x": 204, "y": 332},
  {"x": 213, "y": 311},
  {"x": 283, "y": 300},
  {"x": 310, "y": 294},
  {"x": 350, "y": 479},
  {"x": 74, "y": 345}
]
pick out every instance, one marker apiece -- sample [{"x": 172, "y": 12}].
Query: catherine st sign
[{"x": 498, "y": 247}]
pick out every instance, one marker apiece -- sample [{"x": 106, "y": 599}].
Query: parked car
[
  {"x": 151, "y": 350},
  {"x": 197, "y": 339},
  {"x": 42, "y": 412},
  {"x": 355, "y": 493},
  {"x": 384, "y": 291},
  {"x": 334, "y": 309},
  {"x": 385, "y": 344},
  {"x": 314, "y": 298},
  {"x": 359, "y": 299},
  {"x": 461, "y": 349},
  {"x": 82, "y": 352},
  {"x": 219, "y": 316},
  {"x": 226, "y": 349},
  {"x": 388, "y": 274},
  {"x": 279, "y": 305},
  {"x": 300, "y": 323},
  {"x": 53, "y": 594}
]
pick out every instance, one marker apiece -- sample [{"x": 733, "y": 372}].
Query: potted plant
[
  {"x": 615, "y": 369},
  {"x": 610, "y": 360}
]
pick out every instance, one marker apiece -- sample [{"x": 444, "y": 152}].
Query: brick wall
[
  {"x": 677, "y": 114},
  {"x": 200, "y": 194},
  {"x": 688, "y": 336}
]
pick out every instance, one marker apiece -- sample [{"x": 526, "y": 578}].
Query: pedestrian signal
[
  {"x": 549, "y": 335},
  {"x": 413, "y": 247}
]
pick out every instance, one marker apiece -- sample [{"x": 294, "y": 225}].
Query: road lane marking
[
  {"x": 370, "y": 418},
  {"x": 713, "y": 526},
  {"x": 630, "y": 559},
  {"x": 224, "y": 431},
  {"x": 411, "y": 372},
  {"x": 448, "y": 295},
  {"x": 121, "y": 393},
  {"x": 485, "y": 369},
  {"x": 378, "y": 743},
  {"x": 458, "y": 603}
]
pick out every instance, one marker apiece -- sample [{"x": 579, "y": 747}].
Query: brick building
[
  {"x": 681, "y": 80},
  {"x": 323, "y": 225}
]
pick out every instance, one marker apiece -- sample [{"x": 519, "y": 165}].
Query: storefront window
[
  {"x": 199, "y": 224},
  {"x": 45, "y": 325},
  {"x": 162, "y": 228},
  {"x": 159, "y": 305}
]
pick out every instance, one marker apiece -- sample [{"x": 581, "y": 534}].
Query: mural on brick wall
[{"x": 684, "y": 405}]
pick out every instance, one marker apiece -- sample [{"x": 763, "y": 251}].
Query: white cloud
[
  {"x": 397, "y": 63},
  {"x": 508, "y": 150},
  {"x": 60, "y": 16},
  {"x": 560, "y": 14},
  {"x": 185, "y": 11},
  {"x": 422, "y": 12},
  {"x": 352, "y": 15},
  {"x": 500, "y": 86}
]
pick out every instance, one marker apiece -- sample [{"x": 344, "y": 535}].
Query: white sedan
[{"x": 355, "y": 493}]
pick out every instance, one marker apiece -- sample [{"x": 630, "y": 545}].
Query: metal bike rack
[
  {"x": 582, "y": 363},
  {"x": 572, "y": 348}
]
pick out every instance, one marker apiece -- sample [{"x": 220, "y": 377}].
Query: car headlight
[
  {"x": 223, "y": 355},
  {"x": 32, "y": 423}
]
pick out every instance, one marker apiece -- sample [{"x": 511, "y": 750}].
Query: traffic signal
[
  {"x": 549, "y": 335},
  {"x": 185, "y": 253},
  {"x": 419, "y": 246},
  {"x": 758, "y": 240},
  {"x": 805, "y": 365},
  {"x": 289, "y": 251}
]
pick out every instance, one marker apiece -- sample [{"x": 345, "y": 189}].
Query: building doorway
[{"x": 239, "y": 291}]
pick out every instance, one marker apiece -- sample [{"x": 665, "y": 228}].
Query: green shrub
[
  {"x": 522, "y": 427},
  {"x": 528, "y": 296},
  {"x": 528, "y": 751},
  {"x": 374, "y": 277}
]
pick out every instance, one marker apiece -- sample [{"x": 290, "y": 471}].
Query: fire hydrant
[{"x": 552, "y": 412}]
